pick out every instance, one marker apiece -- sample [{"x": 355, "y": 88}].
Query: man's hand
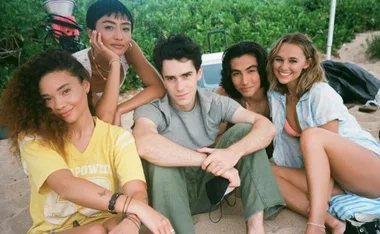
[
  {"x": 219, "y": 160},
  {"x": 232, "y": 175},
  {"x": 126, "y": 226}
]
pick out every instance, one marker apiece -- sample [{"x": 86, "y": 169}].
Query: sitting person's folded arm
[
  {"x": 80, "y": 191},
  {"x": 147, "y": 73},
  {"x": 161, "y": 151},
  {"x": 260, "y": 135},
  {"x": 138, "y": 190},
  {"x": 129, "y": 168},
  {"x": 106, "y": 106},
  {"x": 154, "y": 87},
  {"x": 88, "y": 194}
]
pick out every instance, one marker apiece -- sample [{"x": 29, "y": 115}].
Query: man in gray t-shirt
[{"x": 176, "y": 136}]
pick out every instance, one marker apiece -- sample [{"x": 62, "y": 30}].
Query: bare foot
[
  {"x": 255, "y": 224},
  {"x": 255, "y": 229},
  {"x": 338, "y": 228}
]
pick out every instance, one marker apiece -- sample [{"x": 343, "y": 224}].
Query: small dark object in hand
[{"x": 216, "y": 188}]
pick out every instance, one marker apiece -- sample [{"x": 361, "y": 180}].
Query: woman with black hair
[{"x": 110, "y": 25}]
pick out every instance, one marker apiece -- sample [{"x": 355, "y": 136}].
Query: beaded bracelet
[
  {"x": 316, "y": 225},
  {"x": 114, "y": 60}
]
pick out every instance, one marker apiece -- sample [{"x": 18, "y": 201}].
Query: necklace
[{"x": 98, "y": 66}]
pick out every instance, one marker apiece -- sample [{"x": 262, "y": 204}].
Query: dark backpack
[
  {"x": 370, "y": 227},
  {"x": 352, "y": 82}
]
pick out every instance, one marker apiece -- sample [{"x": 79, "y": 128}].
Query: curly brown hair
[{"x": 23, "y": 112}]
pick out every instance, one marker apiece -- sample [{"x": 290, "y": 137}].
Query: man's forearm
[
  {"x": 161, "y": 151},
  {"x": 259, "y": 137}
]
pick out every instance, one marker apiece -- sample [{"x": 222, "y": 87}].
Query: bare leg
[
  {"x": 326, "y": 155},
  {"x": 93, "y": 228},
  {"x": 255, "y": 224},
  {"x": 111, "y": 223},
  {"x": 87, "y": 229},
  {"x": 293, "y": 186}
]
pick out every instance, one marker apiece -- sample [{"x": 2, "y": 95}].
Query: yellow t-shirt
[{"x": 110, "y": 160}]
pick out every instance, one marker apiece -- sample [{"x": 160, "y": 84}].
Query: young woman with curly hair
[
  {"x": 76, "y": 163},
  {"x": 320, "y": 149}
]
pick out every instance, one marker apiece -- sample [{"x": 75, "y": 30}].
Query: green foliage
[
  {"x": 5, "y": 76},
  {"x": 263, "y": 21},
  {"x": 373, "y": 50},
  {"x": 131, "y": 82}
]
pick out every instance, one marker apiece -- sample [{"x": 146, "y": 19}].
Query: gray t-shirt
[{"x": 196, "y": 128}]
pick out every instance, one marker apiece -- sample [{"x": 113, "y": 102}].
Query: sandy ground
[{"x": 14, "y": 186}]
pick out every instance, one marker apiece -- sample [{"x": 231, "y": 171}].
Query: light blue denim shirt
[{"x": 320, "y": 105}]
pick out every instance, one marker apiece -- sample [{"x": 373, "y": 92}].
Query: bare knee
[
  {"x": 313, "y": 137},
  {"x": 277, "y": 171},
  {"x": 311, "y": 134},
  {"x": 97, "y": 229}
]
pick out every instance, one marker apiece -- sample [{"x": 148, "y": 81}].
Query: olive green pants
[{"x": 179, "y": 192}]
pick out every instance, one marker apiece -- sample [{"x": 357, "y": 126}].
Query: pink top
[{"x": 288, "y": 129}]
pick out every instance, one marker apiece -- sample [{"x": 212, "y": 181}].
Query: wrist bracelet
[
  {"x": 112, "y": 202},
  {"x": 123, "y": 213},
  {"x": 114, "y": 60},
  {"x": 316, "y": 224},
  {"x": 125, "y": 207},
  {"x": 135, "y": 221}
]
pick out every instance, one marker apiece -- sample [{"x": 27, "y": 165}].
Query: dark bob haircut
[{"x": 101, "y": 8}]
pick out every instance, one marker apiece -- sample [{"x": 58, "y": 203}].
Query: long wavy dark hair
[
  {"x": 22, "y": 109},
  {"x": 238, "y": 50}
]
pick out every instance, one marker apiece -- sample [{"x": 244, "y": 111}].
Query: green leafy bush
[
  {"x": 263, "y": 21},
  {"x": 5, "y": 75},
  {"x": 373, "y": 50}
]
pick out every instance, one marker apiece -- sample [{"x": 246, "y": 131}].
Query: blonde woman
[{"x": 320, "y": 149}]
